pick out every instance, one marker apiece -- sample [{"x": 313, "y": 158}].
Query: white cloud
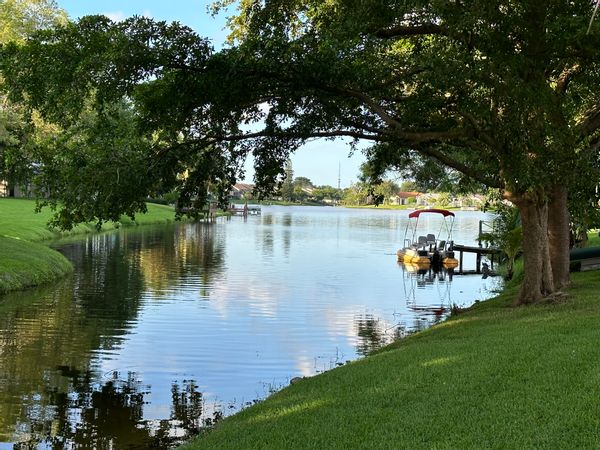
[
  {"x": 118, "y": 16},
  {"x": 115, "y": 16}
]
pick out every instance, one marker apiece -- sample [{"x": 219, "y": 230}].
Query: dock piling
[{"x": 479, "y": 252}]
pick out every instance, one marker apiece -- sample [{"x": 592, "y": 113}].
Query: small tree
[
  {"x": 507, "y": 235},
  {"x": 286, "y": 189}
]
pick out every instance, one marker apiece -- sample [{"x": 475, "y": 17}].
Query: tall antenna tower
[{"x": 339, "y": 174}]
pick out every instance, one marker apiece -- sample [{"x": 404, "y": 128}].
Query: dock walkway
[{"x": 479, "y": 251}]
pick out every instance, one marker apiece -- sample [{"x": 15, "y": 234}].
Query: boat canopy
[{"x": 418, "y": 212}]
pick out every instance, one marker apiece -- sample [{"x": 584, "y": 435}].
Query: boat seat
[
  {"x": 431, "y": 239},
  {"x": 442, "y": 246},
  {"x": 422, "y": 242}
]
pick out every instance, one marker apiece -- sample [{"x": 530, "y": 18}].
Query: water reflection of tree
[
  {"x": 371, "y": 334},
  {"x": 190, "y": 252},
  {"x": 62, "y": 326},
  {"x": 110, "y": 416},
  {"x": 374, "y": 334},
  {"x": 107, "y": 286},
  {"x": 165, "y": 256}
]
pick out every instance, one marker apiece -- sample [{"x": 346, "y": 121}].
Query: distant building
[
  {"x": 472, "y": 202},
  {"x": 427, "y": 200},
  {"x": 403, "y": 198},
  {"x": 9, "y": 190},
  {"x": 241, "y": 191},
  {"x": 466, "y": 202}
]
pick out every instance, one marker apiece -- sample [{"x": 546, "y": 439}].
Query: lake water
[{"x": 162, "y": 330}]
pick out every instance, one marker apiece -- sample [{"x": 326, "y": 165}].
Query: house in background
[
  {"x": 9, "y": 190},
  {"x": 241, "y": 191},
  {"x": 404, "y": 198},
  {"x": 473, "y": 202},
  {"x": 428, "y": 200}
]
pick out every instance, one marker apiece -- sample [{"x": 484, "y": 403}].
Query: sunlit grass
[
  {"x": 494, "y": 376},
  {"x": 593, "y": 239},
  {"x": 25, "y": 263},
  {"x": 18, "y": 219}
]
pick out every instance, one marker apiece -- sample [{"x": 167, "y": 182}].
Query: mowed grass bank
[
  {"x": 24, "y": 262},
  {"x": 491, "y": 377}
]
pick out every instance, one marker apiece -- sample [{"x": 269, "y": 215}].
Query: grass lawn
[
  {"x": 593, "y": 239},
  {"x": 491, "y": 377},
  {"x": 24, "y": 262},
  {"x": 18, "y": 219}
]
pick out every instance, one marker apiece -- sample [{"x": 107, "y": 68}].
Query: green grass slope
[
  {"x": 491, "y": 377},
  {"x": 18, "y": 219},
  {"x": 25, "y": 263}
]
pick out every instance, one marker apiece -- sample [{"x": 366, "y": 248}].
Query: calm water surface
[{"x": 160, "y": 331}]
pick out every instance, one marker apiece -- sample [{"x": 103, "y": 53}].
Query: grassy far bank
[
  {"x": 25, "y": 262},
  {"x": 491, "y": 377},
  {"x": 18, "y": 219},
  {"x": 593, "y": 239}
]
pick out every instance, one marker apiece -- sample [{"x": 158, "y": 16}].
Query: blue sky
[{"x": 319, "y": 160}]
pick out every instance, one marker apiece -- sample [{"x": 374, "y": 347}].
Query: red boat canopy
[{"x": 443, "y": 212}]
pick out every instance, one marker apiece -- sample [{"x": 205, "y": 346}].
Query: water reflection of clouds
[
  {"x": 332, "y": 320},
  {"x": 305, "y": 365},
  {"x": 256, "y": 299},
  {"x": 260, "y": 298}
]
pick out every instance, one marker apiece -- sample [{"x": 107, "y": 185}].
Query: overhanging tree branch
[
  {"x": 590, "y": 122},
  {"x": 295, "y": 135},
  {"x": 434, "y": 152},
  {"x": 397, "y": 130},
  {"x": 483, "y": 135},
  {"x": 565, "y": 77},
  {"x": 410, "y": 30}
]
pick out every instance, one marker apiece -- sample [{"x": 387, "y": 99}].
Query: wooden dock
[
  {"x": 479, "y": 251},
  {"x": 245, "y": 210}
]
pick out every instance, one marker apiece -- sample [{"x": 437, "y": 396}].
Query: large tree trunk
[
  {"x": 558, "y": 236},
  {"x": 538, "y": 280}
]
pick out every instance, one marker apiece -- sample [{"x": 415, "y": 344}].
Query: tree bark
[
  {"x": 538, "y": 279},
  {"x": 558, "y": 236}
]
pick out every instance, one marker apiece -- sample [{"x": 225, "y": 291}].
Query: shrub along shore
[
  {"x": 25, "y": 261},
  {"x": 493, "y": 376}
]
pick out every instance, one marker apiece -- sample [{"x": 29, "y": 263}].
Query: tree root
[{"x": 556, "y": 298}]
